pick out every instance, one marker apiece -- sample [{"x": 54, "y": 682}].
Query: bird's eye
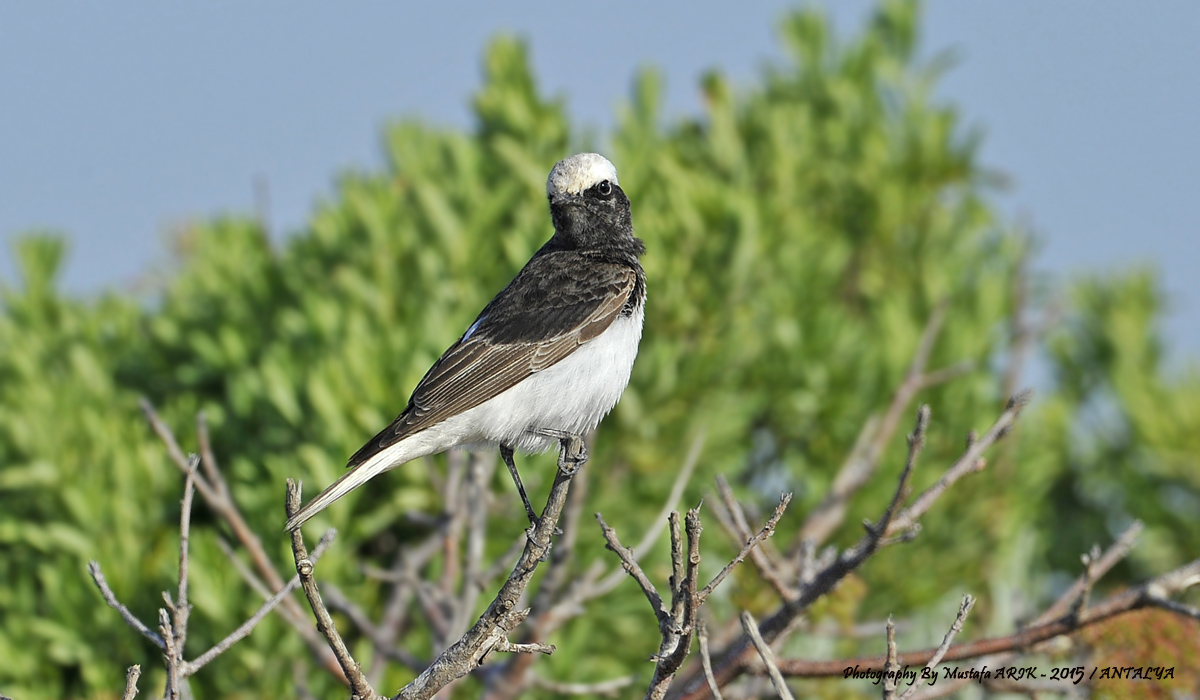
[{"x": 604, "y": 188}]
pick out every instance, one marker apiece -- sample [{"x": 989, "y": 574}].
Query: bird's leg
[{"x": 506, "y": 453}]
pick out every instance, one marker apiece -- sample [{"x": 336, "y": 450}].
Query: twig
[
  {"x": 964, "y": 609},
  {"x": 1149, "y": 594},
  {"x": 751, "y": 544},
  {"x": 384, "y": 646},
  {"x": 248, "y": 626},
  {"x": 1089, "y": 560},
  {"x": 172, "y": 654},
  {"x": 1175, "y": 607},
  {"x": 501, "y": 617},
  {"x": 685, "y": 602},
  {"x": 967, "y": 463},
  {"x": 706, "y": 661},
  {"x": 890, "y": 667},
  {"x": 734, "y": 660},
  {"x": 181, "y": 607},
  {"x": 216, "y": 495},
  {"x": 530, "y": 648},
  {"x": 609, "y": 687},
  {"x": 750, "y": 626},
  {"x": 916, "y": 442},
  {"x": 632, "y": 567},
  {"x": 736, "y": 523},
  {"x": 304, "y": 567},
  {"x": 131, "y": 678},
  {"x": 129, "y": 617},
  {"x": 875, "y": 434},
  {"x": 244, "y": 571}
]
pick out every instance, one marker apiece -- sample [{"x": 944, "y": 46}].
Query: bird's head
[{"x": 587, "y": 205}]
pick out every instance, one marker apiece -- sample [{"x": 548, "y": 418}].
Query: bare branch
[
  {"x": 603, "y": 688},
  {"x": 640, "y": 550},
  {"x": 631, "y": 566},
  {"x": 706, "y": 661},
  {"x": 890, "y": 666},
  {"x": 1149, "y": 594},
  {"x": 529, "y": 648},
  {"x": 131, "y": 678},
  {"x": 738, "y": 526},
  {"x": 172, "y": 654},
  {"x": 916, "y": 442},
  {"x": 384, "y": 646},
  {"x": 502, "y": 616},
  {"x": 248, "y": 626},
  {"x": 1117, "y": 551},
  {"x": 1176, "y": 607},
  {"x": 129, "y": 617},
  {"x": 751, "y": 543},
  {"x": 181, "y": 607},
  {"x": 964, "y": 609},
  {"x": 734, "y": 660},
  {"x": 750, "y": 626},
  {"x": 681, "y": 482},
  {"x": 970, "y": 461},
  {"x": 216, "y": 495},
  {"x": 304, "y": 567},
  {"x": 685, "y": 602},
  {"x": 1089, "y": 560},
  {"x": 209, "y": 458},
  {"x": 875, "y": 434}
]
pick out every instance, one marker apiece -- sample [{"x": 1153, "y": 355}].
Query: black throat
[{"x": 601, "y": 229}]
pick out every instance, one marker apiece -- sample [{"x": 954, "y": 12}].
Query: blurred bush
[{"x": 800, "y": 233}]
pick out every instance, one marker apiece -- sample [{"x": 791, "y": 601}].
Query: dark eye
[{"x": 604, "y": 189}]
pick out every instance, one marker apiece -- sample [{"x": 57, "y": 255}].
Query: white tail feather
[{"x": 403, "y": 451}]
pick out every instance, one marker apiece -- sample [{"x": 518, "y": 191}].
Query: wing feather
[{"x": 478, "y": 367}]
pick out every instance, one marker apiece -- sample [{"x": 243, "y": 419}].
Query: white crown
[{"x": 578, "y": 173}]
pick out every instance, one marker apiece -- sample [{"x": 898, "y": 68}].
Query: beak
[{"x": 567, "y": 200}]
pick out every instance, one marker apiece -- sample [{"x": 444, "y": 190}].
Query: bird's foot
[{"x": 573, "y": 453}]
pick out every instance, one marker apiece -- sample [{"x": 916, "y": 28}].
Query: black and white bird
[{"x": 546, "y": 359}]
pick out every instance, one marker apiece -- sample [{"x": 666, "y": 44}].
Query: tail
[{"x": 393, "y": 456}]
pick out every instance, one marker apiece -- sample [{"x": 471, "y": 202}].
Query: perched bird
[{"x": 546, "y": 359}]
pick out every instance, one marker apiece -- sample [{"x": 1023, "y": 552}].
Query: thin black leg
[{"x": 506, "y": 453}]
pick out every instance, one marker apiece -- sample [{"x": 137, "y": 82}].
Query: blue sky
[{"x": 120, "y": 120}]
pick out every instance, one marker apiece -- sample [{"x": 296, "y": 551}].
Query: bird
[{"x": 546, "y": 359}]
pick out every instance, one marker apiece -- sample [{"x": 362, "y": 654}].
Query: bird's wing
[{"x": 528, "y": 327}]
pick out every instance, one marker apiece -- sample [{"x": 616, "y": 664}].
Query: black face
[{"x": 596, "y": 218}]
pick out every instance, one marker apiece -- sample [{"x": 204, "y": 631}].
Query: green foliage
[{"x": 800, "y": 233}]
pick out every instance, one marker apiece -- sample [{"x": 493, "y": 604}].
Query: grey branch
[
  {"x": 304, "y": 568},
  {"x": 876, "y": 433},
  {"x": 891, "y": 666},
  {"x": 734, "y": 520},
  {"x": 129, "y": 617},
  {"x": 492, "y": 628},
  {"x": 750, "y": 626},
  {"x": 751, "y": 544},
  {"x": 735, "y": 659},
  {"x": 706, "y": 661},
  {"x": 604, "y": 688},
  {"x": 248, "y": 626},
  {"x": 181, "y": 608},
  {"x": 631, "y": 566},
  {"x": 131, "y": 678},
  {"x": 964, "y": 609},
  {"x": 215, "y": 492}
]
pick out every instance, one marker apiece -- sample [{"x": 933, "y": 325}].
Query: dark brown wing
[{"x": 528, "y": 327}]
